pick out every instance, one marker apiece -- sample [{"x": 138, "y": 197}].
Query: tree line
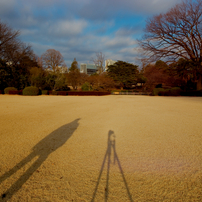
[
  {"x": 171, "y": 55},
  {"x": 20, "y": 67}
]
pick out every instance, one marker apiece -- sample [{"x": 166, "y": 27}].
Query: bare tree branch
[
  {"x": 175, "y": 34},
  {"x": 9, "y": 42},
  {"x": 52, "y": 59},
  {"x": 99, "y": 61}
]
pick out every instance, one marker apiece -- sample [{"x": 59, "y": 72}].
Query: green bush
[
  {"x": 44, "y": 92},
  {"x": 164, "y": 92},
  {"x": 31, "y": 90},
  {"x": 6, "y": 90},
  {"x": 86, "y": 87},
  {"x": 156, "y": 91},
  {"x": 176, "y": 91}
]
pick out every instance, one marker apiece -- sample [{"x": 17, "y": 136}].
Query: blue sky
[{"x": 81, "y": 28}]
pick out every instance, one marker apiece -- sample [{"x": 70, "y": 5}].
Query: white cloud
[
  {"x": 117, "y": 42},
  {"x": 80, "y": 28},
  {"x": 27, "y": 32},
  {"x": 6, "y": 6},
  {"x": 105, "y": 9},
  {"x": 67, "y": 27}
]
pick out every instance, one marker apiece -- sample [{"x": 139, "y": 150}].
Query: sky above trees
[{"x": 81, "y": 28}]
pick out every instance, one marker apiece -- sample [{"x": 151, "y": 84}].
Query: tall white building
[{"x": 88, "y": 68}]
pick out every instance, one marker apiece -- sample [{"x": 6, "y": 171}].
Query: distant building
[
  {"x": 108, "y": 62},
  {"x": 58, "y": 69},
  {"x": 88, "y": 68},
  {"x": 62, "y": 69}
]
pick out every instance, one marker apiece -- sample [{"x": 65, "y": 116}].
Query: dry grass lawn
[{"x": 109, "y": 148}]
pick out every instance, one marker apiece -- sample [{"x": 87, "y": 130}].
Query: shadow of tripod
[
  {"x": 42, "y": 150},
  {"x": 111, "y": 148}
]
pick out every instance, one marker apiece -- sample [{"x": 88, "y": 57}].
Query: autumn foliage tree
[
  {"x": 100, "y": 82},
  {"x": 154, "y": 76},
  {"x": 161, "y": 74}
]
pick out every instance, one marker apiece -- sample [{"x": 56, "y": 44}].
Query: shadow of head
[
  {"x": 57, "y": 138},
  {"x": 111, "y": 136}
]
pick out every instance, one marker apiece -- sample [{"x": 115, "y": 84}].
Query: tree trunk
[{"x": 199, "y": 83}]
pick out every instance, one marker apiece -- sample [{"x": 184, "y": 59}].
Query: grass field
[{"x": 108, "y": 148}]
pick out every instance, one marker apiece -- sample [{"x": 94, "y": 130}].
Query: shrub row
[
  {"x": 31, "y": 90},
  {"x": 15, "y": 92},
  {"x": 79, "y": 93},
  {"x": 57, "y": 92},
  {"x": 176, "y": 91},
  {"x": 44, "y": 92},
  {"x": 8, "y": 89},
  {"x": 192, "y": 93},
  {"x": 156, "y": 91}
]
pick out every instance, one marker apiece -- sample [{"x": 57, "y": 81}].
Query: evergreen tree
[{"x": 123, "y": 73}]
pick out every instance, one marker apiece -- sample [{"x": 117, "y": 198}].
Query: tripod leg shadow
[{"x": 110, "y": 148}]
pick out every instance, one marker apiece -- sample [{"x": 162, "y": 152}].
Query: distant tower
[{"x": 83, "y": 68}]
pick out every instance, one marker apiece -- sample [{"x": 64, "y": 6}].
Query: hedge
[
  {"x": 53, "y": 92},
  {"x": 44, "y": 92},
  {"x": 6, "y": 90},
  {"x": 14, "y": 92},
  {"x": 156, "y": 91},
  {"x": 62, "y": 92},
  {"x": 31, "y": 90},
  {"x": 197, "y": 93},
  {"x": 176, "y": 91},
  {"x": 164, "y": 92},
  {"x": 88, "y": 93},
  {"x": 79, "y": 93}
]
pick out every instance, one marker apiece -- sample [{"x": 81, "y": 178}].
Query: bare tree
[
  {"x": 52, "y": 59},
  {"x": 176, "y": 34},
  {"x": 99, "y": 62},
  {"x": 9, "y": 42}
]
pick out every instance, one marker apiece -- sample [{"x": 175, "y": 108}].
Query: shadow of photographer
[
  {"x": 111, "y": 148},
  {"x": 42, "y": 150}
]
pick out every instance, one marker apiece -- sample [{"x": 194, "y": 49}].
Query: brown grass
[{"x": 110, "y": 148}]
